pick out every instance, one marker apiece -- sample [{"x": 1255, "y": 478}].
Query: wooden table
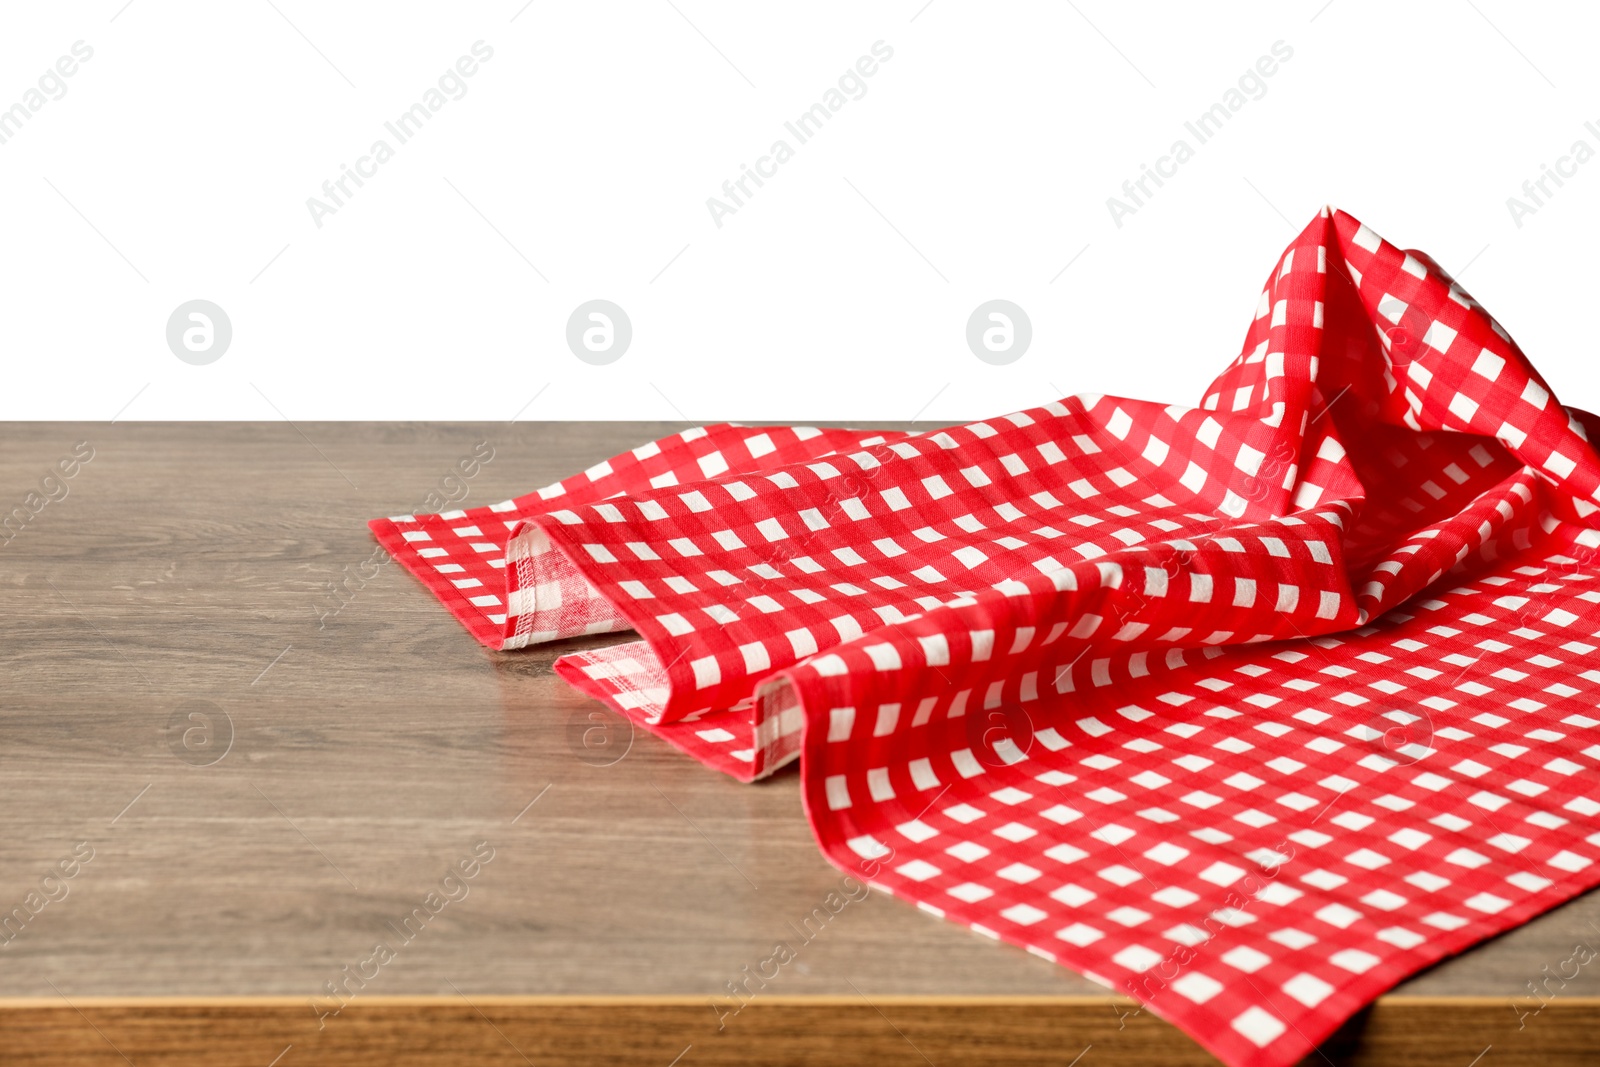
[{"x": 269, "y": 788}]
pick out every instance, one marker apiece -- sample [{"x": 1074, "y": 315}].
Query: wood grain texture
[
  {"x": 372, "y": 749},
  {"x": 777, "y": 1032}
]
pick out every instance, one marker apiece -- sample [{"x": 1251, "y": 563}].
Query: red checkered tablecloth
[{"x": 1248, "y": 710}]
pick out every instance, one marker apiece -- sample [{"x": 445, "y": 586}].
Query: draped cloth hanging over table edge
[{"x": 1249, "y": 710}]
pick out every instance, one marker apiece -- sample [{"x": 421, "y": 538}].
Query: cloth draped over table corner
[{"x": 1249, "y": 709}]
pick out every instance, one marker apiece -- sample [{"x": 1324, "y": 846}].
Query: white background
[{"x": 977, "y": 165}]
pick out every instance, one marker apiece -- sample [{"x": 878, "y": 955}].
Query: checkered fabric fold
[{"x": 1249, "y": 710}]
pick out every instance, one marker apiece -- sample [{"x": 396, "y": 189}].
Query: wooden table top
[{"x": 182, "y": 575}]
